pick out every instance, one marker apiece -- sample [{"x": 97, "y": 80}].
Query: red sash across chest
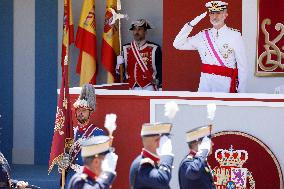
[{"x": 221, "y": 70}]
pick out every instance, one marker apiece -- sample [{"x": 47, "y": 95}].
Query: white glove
[
  {"x": 165, "y": 147},
  {"x": 197, "y": 19},
  {"x": 22, "y": 184},
  {"x": 205, "y": 145},
  {"x": 119, "y": 61},
  {"x": 109, "y": 163}
]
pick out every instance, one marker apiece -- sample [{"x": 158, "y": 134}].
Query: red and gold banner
[
  {"x": 86, "y": 41},
  {"x": 68, "y": 29},
  {"x": 63, "y": 130},
  {"x": 242, "y": 161},
  {"x": 270, "y": 46},
  {"x": 110, "y": 44}
]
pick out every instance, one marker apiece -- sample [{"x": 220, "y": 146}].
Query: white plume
[
  {"x": 171, "y": 109},
  {"x": 211, "y": 108},
  {"x": 110, "y": 123}
]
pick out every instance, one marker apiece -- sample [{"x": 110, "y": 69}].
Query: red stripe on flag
[
  {"x": 63, "y": 53},
  {"x": 78, "y": 67},
  {"x": 109, "y": 58},
  {"x": 86, "y": 41},
  {"x": 71, "y": 34}
]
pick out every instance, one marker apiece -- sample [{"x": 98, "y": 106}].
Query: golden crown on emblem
[{"x": 231, "y": 157}]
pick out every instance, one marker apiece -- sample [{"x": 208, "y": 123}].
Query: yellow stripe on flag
[
  {"x": 86, "y": 42},
  {"x": 88, "y": 68},
  {"x": 110, "y": 78}
]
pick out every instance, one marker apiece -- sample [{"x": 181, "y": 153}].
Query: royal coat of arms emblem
[{"x": 230, "y": 174}]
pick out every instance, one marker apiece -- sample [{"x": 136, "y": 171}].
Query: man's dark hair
[
  {"x": 89, "y": 160},
  {"x": 190, "y": 144}
]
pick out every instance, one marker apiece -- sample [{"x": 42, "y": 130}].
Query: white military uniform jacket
[{"x": 230, "y": 45}]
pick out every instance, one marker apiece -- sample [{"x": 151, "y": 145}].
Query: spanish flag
[
  {"x": 86, "y": 41},
  {"x": 68, "y": 30},
  {"x": 110, "y": 44}
]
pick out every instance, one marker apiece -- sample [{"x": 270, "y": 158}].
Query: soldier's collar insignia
[
  {"x": 145, "y": 153},
  {"x": 89, "y": 173},
  {"x": 147, "y": 160}
]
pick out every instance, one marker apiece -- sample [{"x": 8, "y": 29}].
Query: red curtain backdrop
[
  {"x": 273, "y": 10},
  {"x": 181, "y": 69},
  {"x": 261, "y": 162}
]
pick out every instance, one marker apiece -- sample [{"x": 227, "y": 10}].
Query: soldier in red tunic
[{"x": 142, "y": 59}]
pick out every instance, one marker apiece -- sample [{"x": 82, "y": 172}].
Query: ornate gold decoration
[
  {"x": 251, "y": 180},
  {"x": 65, "y": 103},
  {"x": 91, "y": 19},
  {"x": 59, "y": 121},
  {"x": 225, "y": 55},
  {"x": 231, "y": 173},
  {"x": 68, "y": 144},
  {"x": 270, "y": 64}
]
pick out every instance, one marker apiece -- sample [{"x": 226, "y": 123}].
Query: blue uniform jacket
[
  {"x": 78, "y": 134},
  {"x": 145, "y": 174},
  {"x": 194, "y": 173},
  {"x": 84, "y": 181}
]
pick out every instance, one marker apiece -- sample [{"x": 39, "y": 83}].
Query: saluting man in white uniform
[{"x": 221, "y": 49}]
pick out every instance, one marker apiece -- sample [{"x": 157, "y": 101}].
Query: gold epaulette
[
  {"x": 84, "y": 176},
  {"x": 233, "y": 29},
  {"x": 190, "y": 157},
  {"x": 147, "y": 160}
]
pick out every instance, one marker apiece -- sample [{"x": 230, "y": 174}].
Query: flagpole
[
  {"x": 118, "y": 7},
  {"x": 63, "y": 170},
  {"x": 63, "y": 179},
  {"x": 66, "y": 79}
]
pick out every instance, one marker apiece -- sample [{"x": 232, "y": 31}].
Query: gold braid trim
[
  {"x": 55, "y": 162},
  {"x": 251, "y": 180}
]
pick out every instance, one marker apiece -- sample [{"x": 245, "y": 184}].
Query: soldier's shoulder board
[
  {"x": 189, "y": 157},
  {"x": 147, "y": 161},
  {"x": 127, "y": 45},
  {"x": 84, "y": 176},
  {"x": 233, "y": 29},
  {"x": 150, "y": 43}
]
